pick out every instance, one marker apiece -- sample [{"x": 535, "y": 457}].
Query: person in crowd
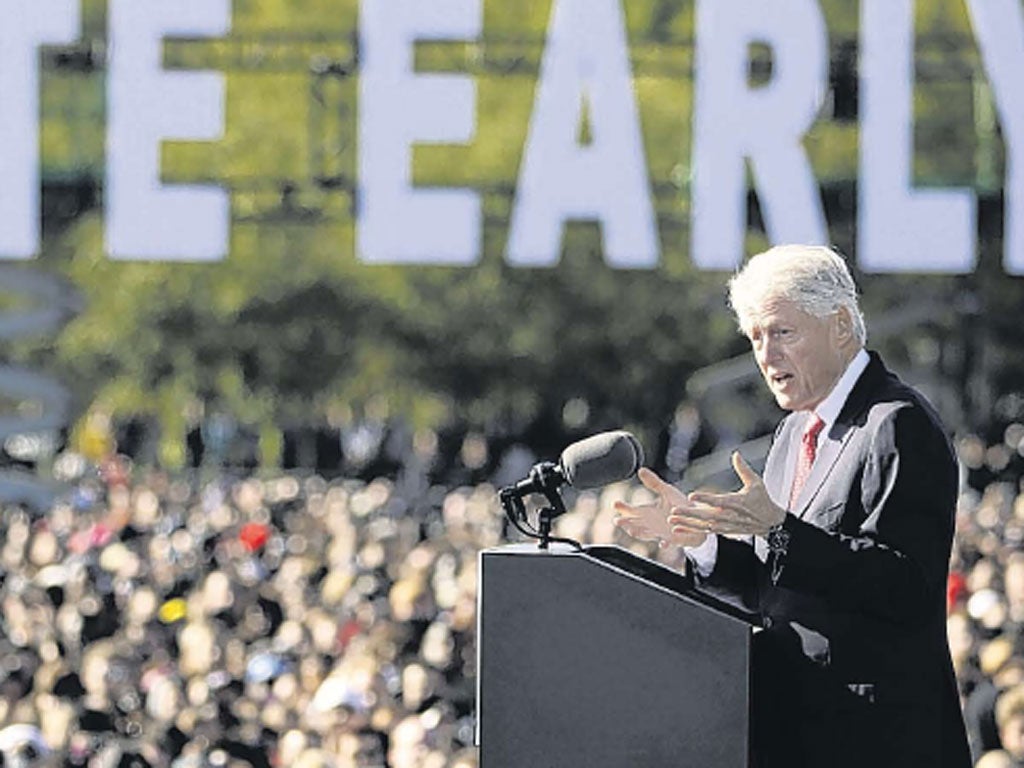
[
  {"x": 1001, "y": 669},
  {"x": 842, "y": 548},
  {"x": 1010, "y": 720}
]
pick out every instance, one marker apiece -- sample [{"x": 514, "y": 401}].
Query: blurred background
[{"x": 243, "y": 496}]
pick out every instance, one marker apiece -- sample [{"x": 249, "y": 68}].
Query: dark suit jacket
[{"x": 852, "y": 667}]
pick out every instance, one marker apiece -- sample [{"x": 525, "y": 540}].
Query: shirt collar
[{"x": 829, "y": 408}]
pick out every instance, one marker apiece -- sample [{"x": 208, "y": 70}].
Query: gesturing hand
[
  {"x": 747, "y": 511},
  {"x": 650, "y": 522}
]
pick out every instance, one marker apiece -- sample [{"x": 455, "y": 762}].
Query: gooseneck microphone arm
[
  {"x": 545, "y": 478},
  {"x": 590, "y": 463}
]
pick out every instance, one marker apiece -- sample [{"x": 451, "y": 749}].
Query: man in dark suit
[{"x": 843, "y": 547}]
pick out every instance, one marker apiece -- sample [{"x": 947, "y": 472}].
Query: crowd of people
[
  {"x": 149, "y": 620},
  {"x": 220, "y": 619},
  {"x": 986, "y": 595}
]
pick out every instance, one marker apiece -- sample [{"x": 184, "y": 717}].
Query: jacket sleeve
[{"x": 735, "y": 577}]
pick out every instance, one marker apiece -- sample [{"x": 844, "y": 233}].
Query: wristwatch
[
  {"x": 778, "y": 539},
  {"x": 778, "y": 544}
]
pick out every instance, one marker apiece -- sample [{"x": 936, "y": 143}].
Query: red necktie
[{"x": 808, "y": 448}]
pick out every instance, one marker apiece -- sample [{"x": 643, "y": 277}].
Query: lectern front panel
[{"x": 583, "y": 664}]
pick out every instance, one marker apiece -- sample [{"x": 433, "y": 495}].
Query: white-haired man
[{"x": 843, "y": 547}]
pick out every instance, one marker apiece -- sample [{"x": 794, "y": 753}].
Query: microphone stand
[{"x": 546, "y": 479}]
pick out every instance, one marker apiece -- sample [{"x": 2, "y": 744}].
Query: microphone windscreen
[{"x": 604, "y": 458}]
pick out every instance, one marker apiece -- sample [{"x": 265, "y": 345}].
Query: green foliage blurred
[{"x": 292, "y": 327}]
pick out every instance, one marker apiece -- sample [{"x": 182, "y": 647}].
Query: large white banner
[{"x": 746, "y": 136}]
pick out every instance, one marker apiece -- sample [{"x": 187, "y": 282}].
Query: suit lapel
[{"x": 838, "y": 437}]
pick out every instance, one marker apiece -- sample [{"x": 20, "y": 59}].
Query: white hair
[{"x": 813, "y": 277}]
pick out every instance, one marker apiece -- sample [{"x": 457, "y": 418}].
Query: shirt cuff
[{"x": 704, "y": 557}]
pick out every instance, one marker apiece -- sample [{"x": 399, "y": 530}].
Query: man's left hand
[{"x": 747, "y": 511}]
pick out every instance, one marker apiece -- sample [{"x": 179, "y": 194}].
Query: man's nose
[{"x": 769, "y": 351}]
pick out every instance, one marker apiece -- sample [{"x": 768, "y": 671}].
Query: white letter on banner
[
  {"x": 1000, "y": 32},
  {"x": 901, "y": 229},
  {"x": 145, "y": 219},
  {"x": 26, "y": 25},
  {"x": 586, "y": 57},
  {"x": 397, "y": 223},
  {"x": 765, "y": 124}
]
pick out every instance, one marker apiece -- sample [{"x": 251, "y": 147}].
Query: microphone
[
  {"x": 595, "y": 461},
  {"x": 601, "y": 459}
]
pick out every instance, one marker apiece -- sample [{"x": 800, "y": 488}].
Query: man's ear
[{"x": 844, "y": 325}]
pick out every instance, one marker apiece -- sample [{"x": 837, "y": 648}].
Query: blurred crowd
[
  {"x": 986, "y": 595},
  {"x": 230, "y": 619},
  {"x": 149, "y": 620}
]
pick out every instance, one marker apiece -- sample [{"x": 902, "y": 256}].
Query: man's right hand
[{"x": 649, "y": 522}]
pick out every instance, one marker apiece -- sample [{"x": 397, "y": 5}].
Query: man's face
[{"x": 798, "y": 354}]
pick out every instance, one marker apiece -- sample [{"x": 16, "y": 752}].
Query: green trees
[{"x": 284, "y": 335}]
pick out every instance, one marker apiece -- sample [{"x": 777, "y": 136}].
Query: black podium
[{"x": 601, "y": 659}]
